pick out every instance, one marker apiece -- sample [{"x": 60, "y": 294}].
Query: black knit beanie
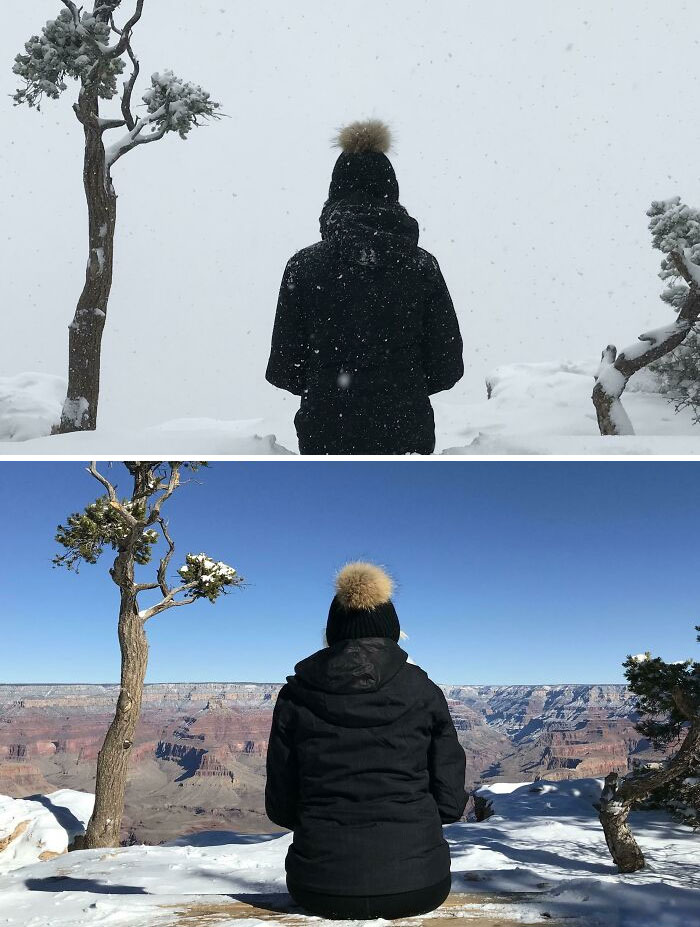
[
  {"x": 362, "y": 167},
  {"x": 362, "y": 605}
]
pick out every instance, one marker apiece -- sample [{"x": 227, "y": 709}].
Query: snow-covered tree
[
  {"x": 132, "y": 527},
  {"x": 88, "y": 47},
  {"x": 675, "y": 231},
  {"x": 668, "y": 702}
]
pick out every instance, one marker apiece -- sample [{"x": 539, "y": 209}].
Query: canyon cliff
[{"x": 198, "y": 758}]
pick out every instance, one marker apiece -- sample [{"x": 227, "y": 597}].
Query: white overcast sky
[{"x": 530, "y": 140}]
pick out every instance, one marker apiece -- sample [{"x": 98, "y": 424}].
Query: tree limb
[
  {"x": 134, "y": 137},
  {"x": 105, "y": 124},
  {"x": 165, "y": 560},
  {"x": 169, "y": 601},
  {"x": 125, "y": 36},
  {"x": 128, "y": 89},
  {"x": 616, "y": 368},
  {"x": 636, "y": 787},
  {"x": 75, "y": 13},
  {"x": 112, "y": 493},
  {"x": 684, "y": 705},
  {"x": 173, "y": 483}
]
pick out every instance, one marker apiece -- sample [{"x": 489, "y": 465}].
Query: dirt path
[{"x": 278, "y": 908}]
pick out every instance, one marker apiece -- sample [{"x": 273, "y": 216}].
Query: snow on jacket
[
  {"x": 364, "y": 766},
  {"x": 365, "y": 331}
]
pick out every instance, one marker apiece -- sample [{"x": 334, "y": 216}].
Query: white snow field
[
  {"x": 529, "y": 148},
  {"x": 541, "y": 858},
  {"x": 534, "y": 409}
]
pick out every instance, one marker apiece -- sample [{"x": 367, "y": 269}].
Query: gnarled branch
[{"x": 616, "y": 368}]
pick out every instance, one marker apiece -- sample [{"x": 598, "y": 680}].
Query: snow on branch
[
  {"x": 71, "y": 45},
  {"x": 208, "y": 578},
  {"x": 675, "y": 230},
  {"x": 174, "y": 105}
]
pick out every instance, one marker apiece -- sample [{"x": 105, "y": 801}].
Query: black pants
[{"x": 362, "y": 907}]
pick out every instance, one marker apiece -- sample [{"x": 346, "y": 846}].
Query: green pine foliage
[
  {"x": 86, "y": 534},
  {"x": 653, "y": 682}
]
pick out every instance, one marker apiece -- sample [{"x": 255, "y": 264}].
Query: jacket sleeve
[
  {"x": 282, "y": 783},
  {"x": 442, "y": 342},
  {"x": 446, "y": 764},
  {"x": 286, "y": 366}
]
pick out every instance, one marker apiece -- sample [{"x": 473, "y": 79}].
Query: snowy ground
[
  {"x": 534, "y": 409},
  {"x": 541, "y": 858}
]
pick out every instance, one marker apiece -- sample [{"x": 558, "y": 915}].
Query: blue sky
[{"x": 512, "y": 572}]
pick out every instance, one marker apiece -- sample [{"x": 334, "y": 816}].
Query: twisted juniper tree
[
  {"x": 668, "y": 701},
  {"x": 90, "y": 48},
  {"x": 132, "y": 527},
  {"x": 675, "y": 231}
]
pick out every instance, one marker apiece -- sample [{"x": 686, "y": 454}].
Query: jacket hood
[
  {"x": 369, "y": 233},
  {"x": 355, "y": 683}
]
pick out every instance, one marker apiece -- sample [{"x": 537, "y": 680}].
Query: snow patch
[
  {"x": 41, "y": 827},
  {"x": 30, "y": 405},
  {"x": 541, "y": 857}
]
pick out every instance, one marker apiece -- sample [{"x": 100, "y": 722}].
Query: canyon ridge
[{"x": 198, "y": 760}]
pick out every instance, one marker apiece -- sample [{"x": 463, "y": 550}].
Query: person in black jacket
[
  {"x": 364, "y": 766},
  {"x": 365, "y": 329}
]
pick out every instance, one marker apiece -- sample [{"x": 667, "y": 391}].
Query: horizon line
[{"x": 244, "y": 682}]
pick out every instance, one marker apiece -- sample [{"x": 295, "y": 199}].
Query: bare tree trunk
[
  {"x": 613, "y": 815},
  {"x": 104, "y": 826},
  {"x": 85, "y": 331},
  {"x": 113, "y": 759},
  {"x": 79, "y": 411},
  {"x": 616, "y": 369}
]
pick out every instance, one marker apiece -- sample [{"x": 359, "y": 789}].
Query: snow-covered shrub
[
  {"x": 678, "y": 376},
  {"x": 178, "y": 102},
  {"x": 209, "y": 576},
  {"x": 675, "y": 227},
  {"x": 66, "y": 49}
]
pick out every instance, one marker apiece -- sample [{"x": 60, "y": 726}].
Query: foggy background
[{"x": 529, "y": 141}]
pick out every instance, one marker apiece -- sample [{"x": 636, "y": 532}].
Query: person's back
[
  {"x": 365, "y": 329},
  {"x": 364, "y": 766}
]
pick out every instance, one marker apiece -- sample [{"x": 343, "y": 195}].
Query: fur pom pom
[
  {"x": 369, "y": 135},
  {"x": 363, "y": 585}
]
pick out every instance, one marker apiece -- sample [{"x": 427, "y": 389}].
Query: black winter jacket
[
  {"x": 365, "y": 331},
  {"x": 364, "y": 766}
]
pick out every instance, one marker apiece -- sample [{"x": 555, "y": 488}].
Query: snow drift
[
  {"x": 540, "y": 857},
  {"x": 40, "y": 827},
  {"x": 540, "y": 408}
]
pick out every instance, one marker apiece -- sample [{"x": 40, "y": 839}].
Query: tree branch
[
  {"x": 105, "y": 124},
  {"x": 616, "y": 369},
  {"x": 125, "y": 36},
  {"x": 165, "y": 560},
  {"x": 134, "y": 137},
  {"x": 636, "y": 787},
  {"x": 75, "y": 13},
  {"x": 169, "y": 601},
  {"x": 129, "y": 88},
  {"x": 173, "y": 483},
  {"x": 112, "y": 493},
  {"x": 685, "y": 705}
]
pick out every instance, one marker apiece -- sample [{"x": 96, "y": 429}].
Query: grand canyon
[{"x": 198, "y": 760}]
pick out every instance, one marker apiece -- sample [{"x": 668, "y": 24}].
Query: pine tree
[
  {"x": 132, "y": 527},
  {"x": 76, "y": 45},
  {"x": 668, "y": 702},
  {"x": 675, "y": 231}
]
